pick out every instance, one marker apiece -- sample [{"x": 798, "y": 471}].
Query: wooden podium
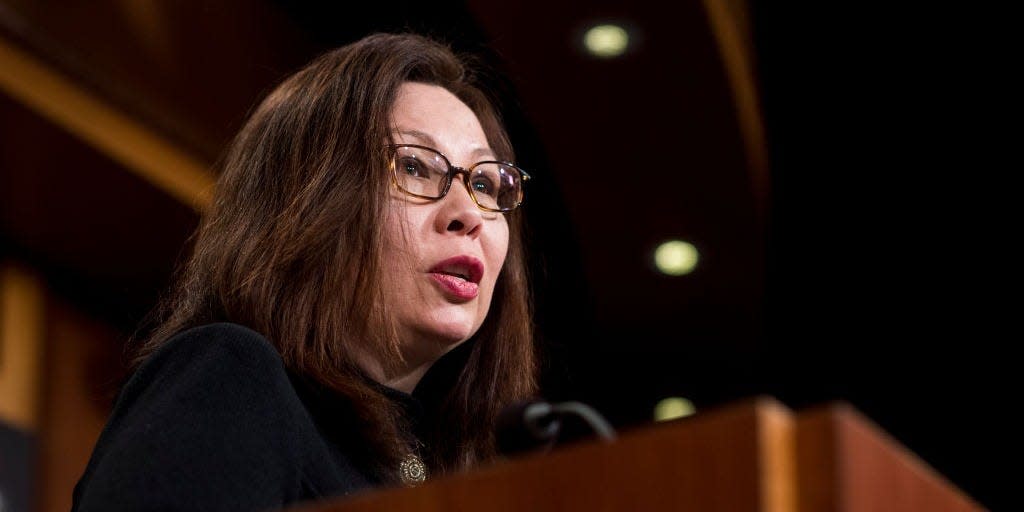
[{"x": 751, "y": 456}]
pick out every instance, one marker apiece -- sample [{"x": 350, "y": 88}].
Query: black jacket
[{"x": 213, "y": 421}]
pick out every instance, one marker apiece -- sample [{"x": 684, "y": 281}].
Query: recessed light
[
  {"x": 606, "y": 40},
  {"x": 673, "y": 407},
  {"x": 676, "y": 257}
]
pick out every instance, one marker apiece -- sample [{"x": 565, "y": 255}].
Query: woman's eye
[
  {"x": 484, "y": 185},
  {"x": 413, "y": 167}
]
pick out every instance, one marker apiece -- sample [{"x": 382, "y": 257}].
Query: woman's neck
[
  {"x": 405, "y": 380},
  {"x": 408, "y": 381}
]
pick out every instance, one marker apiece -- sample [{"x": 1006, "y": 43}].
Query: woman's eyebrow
[
  {"x": 483, "y": 153},
  {"x": 427, "y": 140},
  {"x": 424, "y": 138}
]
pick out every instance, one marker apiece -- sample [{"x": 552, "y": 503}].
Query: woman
[{"x": 354, "y": 240}]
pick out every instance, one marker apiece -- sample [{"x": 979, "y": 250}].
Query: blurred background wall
[{"x": 835, "y": 168}]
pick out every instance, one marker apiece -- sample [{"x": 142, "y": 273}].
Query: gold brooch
[{"x": 413, "y": 470}]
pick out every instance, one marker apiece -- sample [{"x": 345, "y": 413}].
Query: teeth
[
  {"x": 463, "y": 277},
  {"x": 457, "y": 273},
  {"x": 463, "y": 272}
]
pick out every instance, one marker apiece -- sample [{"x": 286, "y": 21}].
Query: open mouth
[
  {"x": 464, "y": 268},
  {"x": 459, "y": 277}
]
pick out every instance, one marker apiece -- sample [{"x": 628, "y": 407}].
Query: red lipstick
[{"x": 459, "y": 276}]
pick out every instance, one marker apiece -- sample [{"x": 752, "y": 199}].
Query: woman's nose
[{"x": 458, "y": 211}]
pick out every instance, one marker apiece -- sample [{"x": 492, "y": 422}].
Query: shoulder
[
  {"x": 210, "y": 414},
  {"x": 214, "y": 357},
  {"x": 233, "y": 342}
]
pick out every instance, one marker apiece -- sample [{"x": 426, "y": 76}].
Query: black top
[{"x": 213, "y": 421}]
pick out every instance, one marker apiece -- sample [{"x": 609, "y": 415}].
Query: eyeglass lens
[{"x": 424, "y": 172}]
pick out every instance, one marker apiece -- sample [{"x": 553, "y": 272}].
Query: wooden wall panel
[
  {"x": 59, "y": 372},
  {"x": 21, "y": 342},
  {"x": 83, "y": 359}
]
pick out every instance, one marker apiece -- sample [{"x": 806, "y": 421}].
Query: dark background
[
  {"x": 873, "y": 266},
  {"x": 890, "y": 251}
]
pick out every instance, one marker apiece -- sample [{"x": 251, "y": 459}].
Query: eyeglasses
[{"x": 424, "y": 172}]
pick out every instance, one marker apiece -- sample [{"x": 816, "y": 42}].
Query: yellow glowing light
[
  {"x": 676, "y": 257},
  {"x": 673, "y": 407},
  {"x": 606, "y": 40}
]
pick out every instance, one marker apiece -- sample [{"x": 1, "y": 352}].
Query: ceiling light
[
  {"x": 673, "y": 407},
  {"x": 676, "y": 257},
  {"x": 606, "y": 40}
]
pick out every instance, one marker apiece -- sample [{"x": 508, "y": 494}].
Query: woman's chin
[
  {"x": 452, "y": 336},
  {"x": 451, "y": 326}
]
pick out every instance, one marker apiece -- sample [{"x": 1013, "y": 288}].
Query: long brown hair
[{"x": 292, "y": 247}]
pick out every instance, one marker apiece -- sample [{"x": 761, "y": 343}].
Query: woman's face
[{"x": 443, "y": 256}]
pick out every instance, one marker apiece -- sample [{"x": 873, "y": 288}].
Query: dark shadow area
[{"x": 888, "y": 273}]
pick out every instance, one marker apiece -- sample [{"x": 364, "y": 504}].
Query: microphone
[{"x": 532, "y": 424}]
